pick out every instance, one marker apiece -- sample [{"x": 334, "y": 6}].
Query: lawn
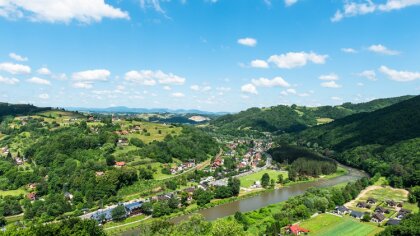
[
  {"x": 155, "y": 131},
  {"x": 16, "y": 192},
  {"x": 321, "y": 121},
  {"x": 248, "y": 180},
  {"x": 331, "y": 225},
  {"x": 386, "y": 193}
]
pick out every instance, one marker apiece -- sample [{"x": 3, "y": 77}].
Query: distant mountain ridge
[{"x": 123, "y": 109}]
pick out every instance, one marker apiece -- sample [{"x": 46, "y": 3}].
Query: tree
[
  {"x": 235, "y": 186},
  {"x": 119, "y": 213},
  {"x": 173, "y": 202},
  {"x": 226, "y": 227},
  {"x": 2, "y": 221},
  {"x": 145, "y": 173},
  {"x": 137, "y": 142},
  {"x": 110, "y": 160},
  {"x": 280, "y": 179},
  {"x": 265, "y": 180},
  {"x": 366, "y": 218},
  {"x": 202, "y": 197}
]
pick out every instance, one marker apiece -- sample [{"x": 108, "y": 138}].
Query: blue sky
[{"x": 215, "y": 55}]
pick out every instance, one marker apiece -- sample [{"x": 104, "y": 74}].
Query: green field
[
  {"x": 248, "y": 180},
  {"x": 16, "y": 192},
  {"x": 331, "y": 225},
  {"x": 386, "y": 193},
  {"x": 321, "y": 121}
]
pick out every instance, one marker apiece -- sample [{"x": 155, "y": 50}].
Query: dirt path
[{"x": 362, "y": 194}]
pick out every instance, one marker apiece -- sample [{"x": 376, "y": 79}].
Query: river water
[{"x": 266, "y": 198}]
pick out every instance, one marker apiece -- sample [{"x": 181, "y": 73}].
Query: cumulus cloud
[
  {"x": 149, "y": 77},
  {"x": 259, "y": 64},
  {"x": 82, "y": 85},
  {"x": 91, "y": 75},
  {"x": 400, "y": 76},
  {"x": 349, "y": 50},
  {"x": 296, "y": 59},
  {"x": 290, "y": 2},
  {"x": 249, "y": 42},
  {"x": 264, "y": 82},
  {"x": 199, "y": 88},
  {"x": 9, "y": 81},
  {"x": 13, "y": 68},
  {"x": 60, "y": 10},
  {"x": 43, "y": 71},
  {"x": 368, "y": 74},
  {"x": 330, "y": 84},
  {"x": 15, "y": 56},
  {"x": 336, "y": 98},
  {"x": 249, "y": 88},
  {"x": 37, "y": 80},
  {"x": 331, "y": 76},
  {"x": 381, "y": 49},
  {"x": 178, "y": 95},
  {"x": 44, "y": 96},
  {"x": 351, "y": 8}
]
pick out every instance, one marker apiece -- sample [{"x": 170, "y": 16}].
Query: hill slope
[
  {"x": 295, "y": 118},
  {"x": 385, "y": 141}
]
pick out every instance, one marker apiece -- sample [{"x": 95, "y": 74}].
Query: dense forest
[
  {"x": 278, "y": 119},
  {"x": 385, "y": 141},
  {"x": 303, "y": 162},
  {"x": 7, "y": 109}
]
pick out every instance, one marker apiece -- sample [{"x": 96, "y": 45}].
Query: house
[
  {"x": 102, "y": 216},
  {"x": 403, "y": 213},
  {"x": 357, "y": 214},
  {"x": 99, "y": 173},
  {"x": 31, "y": 196},
  {"x": 217, "y": 163},
  {"x": 18, "y": 161},
  {"x": 189, "y": 164},
  {"x": 393, "y": 222},
  {"x": 133, "y": 207},
  {"x": 381, "y": 210},
  {"x": 390, "y": 203},
  {"x": 68, "y": 196},
  {"x": 32, "y": 186},
  {"x": 362, "y": 205},
  {"x": 219, "y": 183},
  {"x": 400, "y": 204},
  {"x": 341, "y": 210},
  {"x": 371, "y": 201},
  {"x": 122, "y": 142},
  {"x": 296, "y": 230},
  {"x": 119, "y": 163},
  {"x": 377, "y": 217}
]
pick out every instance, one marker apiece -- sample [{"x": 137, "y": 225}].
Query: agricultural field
[
  {"x": 61, "y": 117},
  {"x": 331, "y": 225},
  {"x": 321, "y": 121},
  {"x": 248, "y": 180},
  {"x": 149, "y": 131},
  {"x": 16, "y": 192}
]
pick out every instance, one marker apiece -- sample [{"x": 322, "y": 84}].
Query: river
[{"x": 266, "y": 198}]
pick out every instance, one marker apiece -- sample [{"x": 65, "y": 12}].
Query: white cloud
[
  {"x": 83, "y": 85},
  {"x": 336, "y": 98},
  {"x": 296, "y": 59},
  {"x": 259, "y": 64},
  {"x": 91, "y": 75},
  {"x": 360, "y": 84},
  {"x": 44, "y": 96},
  {"x": 15, "y": 56},
  {"x": 223, "y": 89},
  {"x": 250, "y": 42},
  {"x": 9, "y": 81},
  {"x": 149, "y": 77},
  {"x": 249, "y": 88},
  {"x": 60, "y": 10},
  {"x": 368, "y": 74},
  {"x": 60, "y": 76},
  {"x": 290, "y": 2},
  {"x": 178, "y": 95},
  {"x": 43, "y": 71},
  {"x": 331, "y": 76},
  {"x": 330, "y": 84},
  {"x": 401, "y": 76},
  {"x": 291, "y": 91},
  {"x": 154, "y": 4},
  {"x": 352, "y": 9},
  {"x": 167, "y": 88},
  {"x": 199, "y": 88},
  {"x": 14, "y": 68},
  {"x": 264, "y": 82},
  {"x": 349, "y": 50},
  {"x": 378, "y": 48},
  {"x": 36, "y": 80}
]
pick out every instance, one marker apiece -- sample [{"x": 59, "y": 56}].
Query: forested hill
[
  {"x": 294, "y": 118},
  {"x": 7, "y": 109},
  {"x": 385, "y": 141}
]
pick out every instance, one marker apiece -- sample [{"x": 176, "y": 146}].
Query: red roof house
[
  {"x": 32, "y": 196},
  {"x": 120, "y": 163},
  {"x": 296, "y": 230}
]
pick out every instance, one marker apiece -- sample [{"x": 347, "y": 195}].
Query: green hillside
[
  {"x": 385, "y": 141},
  {"x": 294, "y": 118}
]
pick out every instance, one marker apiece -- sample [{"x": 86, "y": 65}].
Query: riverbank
[{"x": 255, "y": 200}]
